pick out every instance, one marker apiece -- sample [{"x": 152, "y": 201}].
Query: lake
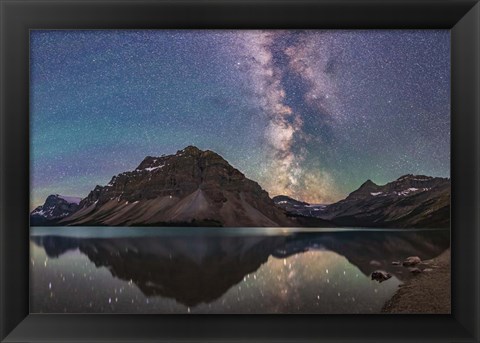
[{"x": 220, "y": 270}]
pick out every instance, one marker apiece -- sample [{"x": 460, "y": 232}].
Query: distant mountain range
[
  {"x": 200, "y": 188},
  {"x": 410, "y": 201}
]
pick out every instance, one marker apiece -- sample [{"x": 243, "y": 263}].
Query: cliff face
[{"x": 192, "y": 187}]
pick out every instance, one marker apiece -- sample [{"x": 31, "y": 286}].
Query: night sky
[{"x": 310, "y": 114}]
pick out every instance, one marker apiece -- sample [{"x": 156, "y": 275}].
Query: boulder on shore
[{"x": 411, "y": 261}]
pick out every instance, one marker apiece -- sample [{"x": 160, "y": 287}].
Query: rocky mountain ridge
[
  {"x": 192, "y": 187},
  {"x": 200, "y": 188},
  {"x": 416, "y": 201}
]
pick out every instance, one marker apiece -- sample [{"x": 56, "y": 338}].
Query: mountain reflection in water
[{"x": 297, "y": 272}]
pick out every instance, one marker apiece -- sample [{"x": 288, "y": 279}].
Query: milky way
[{"x": 310, "y": 114}]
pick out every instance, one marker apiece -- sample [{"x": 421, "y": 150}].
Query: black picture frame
[{"x": 17, "y": 17}]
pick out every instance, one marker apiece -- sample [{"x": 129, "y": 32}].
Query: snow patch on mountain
[
  {"x": 411, "y": 190},
  {"x": 154, "y": 168}
]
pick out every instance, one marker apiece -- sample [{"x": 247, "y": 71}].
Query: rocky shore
[{"x": 428, "y": 292}]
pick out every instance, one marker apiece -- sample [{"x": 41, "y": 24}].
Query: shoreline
[{"x": 426, "y": 293}]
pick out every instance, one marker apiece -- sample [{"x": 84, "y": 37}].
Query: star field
[{"x": 310, "y": 114}]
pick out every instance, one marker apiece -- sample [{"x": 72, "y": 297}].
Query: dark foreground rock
[{"x": 380, "y": 276}]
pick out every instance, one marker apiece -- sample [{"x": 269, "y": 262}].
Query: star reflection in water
[{"x": 185, "y": 272}]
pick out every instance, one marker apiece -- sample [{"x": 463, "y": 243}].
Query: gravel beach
[{"x": 427, "y": 292}]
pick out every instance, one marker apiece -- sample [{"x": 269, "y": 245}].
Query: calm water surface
[{"x": 211, "y": 270}]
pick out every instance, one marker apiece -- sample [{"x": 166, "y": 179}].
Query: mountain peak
[
  {"x": 150, "y": 163},
  {"x": 368, "y": 183},
  {"x": 364, "y": 190},
  {"x": 190, "y": 150},
  {"x": 192, "y": 186},
  {"x": 56, "y": 206},
  {"x": 65, "y": 198}
]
